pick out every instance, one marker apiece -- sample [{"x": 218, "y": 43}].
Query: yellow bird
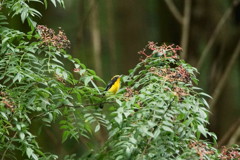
[{"x": 114, "y": 85}]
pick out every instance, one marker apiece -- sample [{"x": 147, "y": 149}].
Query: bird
[{"x": 113, "y": 86}]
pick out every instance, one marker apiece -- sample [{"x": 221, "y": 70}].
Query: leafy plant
[
  {"x": 36, "y": 85},
  {"x": 158, "y": 114}
]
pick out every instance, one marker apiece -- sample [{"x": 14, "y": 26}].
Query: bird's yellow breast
[{"x": 115, "y": 87}]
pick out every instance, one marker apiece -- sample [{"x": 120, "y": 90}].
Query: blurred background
[{"x": 107, "y": 34}]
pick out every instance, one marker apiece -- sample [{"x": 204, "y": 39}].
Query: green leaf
[
  {"x": 19, "y": 127},
  {"x": 4, "y": 115},
  {"x": 205, "y": 102},
  {"x": 205, "y": 94},
  {"x": 29, "y": 152},
  {"x": 91, "y": 71},
  {"x": 202, "y": 130},
  {"x": 22, "y": 135},
  {"x": 56, "y": 60},
  {"x": 156, "y": 133},
  {"x": 24, "y": 14},
  {"x": 119, "y": 102},
  {"x": 65, "y": 136},
  {"x": 166, "y": 128},
  {"x": 45, "y": 4},
  {"x": 119, "y": 118},
  {"x": 18, "y": 77},
  {"x": 97, "y": 128},
  {"x": 167, "y": 123},
  {"x": 54, "y": 3},
  {"x": 34, "y": 156},
  {"x": 87, "y": 80},
  {"x": 31, "y": 23}
]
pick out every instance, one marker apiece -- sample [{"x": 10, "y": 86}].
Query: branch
[
  {"x": 96, "y": 37},
  {"x": 224, "y": 77},
  {"x": 234, "y": 137},
  {"x": 95, "y": 104},
  {"x": 86, "y": 18},
  {"x": 80, "y": 106},
  {"x": 229, "y": 133},
  {"x": 213, "y": 37},
  {"x": 185, "y": 27},
  {"x": 9, "y": 142},
  {"x": 174, "y": 11}
]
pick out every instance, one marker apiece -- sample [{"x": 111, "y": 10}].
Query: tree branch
[
  {"x": 216, "y": 31},
  {"x": 224, "y": 77},
  {"x": 80, "y": 106},
  {"x": 229, "y": 133},
  {"x": 234, "y": 137},
  {"x": 172, "y": 7},
  {"x": 96, "y": 37},
  {"x": 185, "y": 27}
]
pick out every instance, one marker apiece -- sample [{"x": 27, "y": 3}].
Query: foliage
[
  {"x": 158, "y": 113},
  {"x": 35, "y": 85}
]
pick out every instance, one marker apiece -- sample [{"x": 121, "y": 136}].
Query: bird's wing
[{"x": 111, "y": 83}]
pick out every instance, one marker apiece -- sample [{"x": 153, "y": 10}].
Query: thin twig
[
  {"x": 185, "y": 27},
  {"x": 95, "y": 104},
  {"x": 9, "y": 142},
  {"x": 145, "y": 148},
  {"x": 172, "y": 7},
  {"x": 86, "y": 18},
  {"x": 224, "y": 77},
  {"x": 229, "y": 133},
  {"x": 79, "y": 106},
  {"x": 216, "y": 31}
]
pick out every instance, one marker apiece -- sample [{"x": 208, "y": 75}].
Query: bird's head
[{"x": 116, "y": 76}]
